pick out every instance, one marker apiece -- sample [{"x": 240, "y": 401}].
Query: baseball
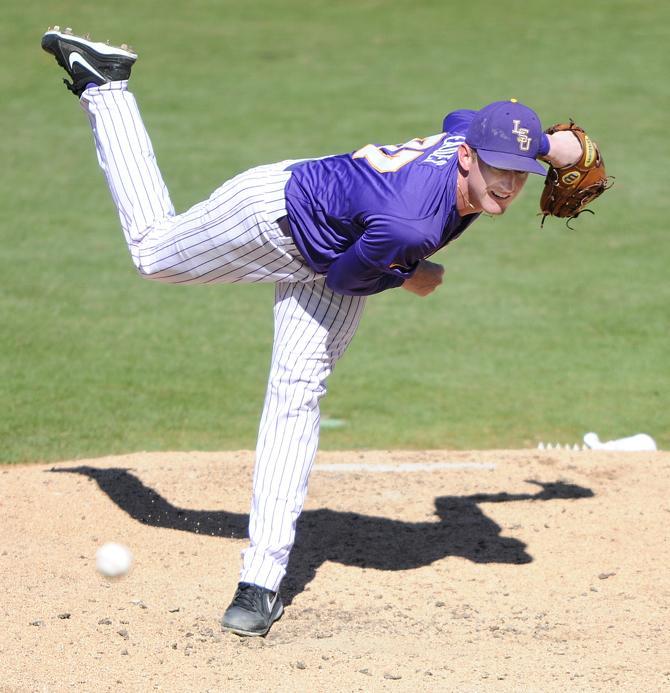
[{"x": 113, "y": 560}]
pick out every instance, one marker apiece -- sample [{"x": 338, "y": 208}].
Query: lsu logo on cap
[{"x": 522, "y": 136}]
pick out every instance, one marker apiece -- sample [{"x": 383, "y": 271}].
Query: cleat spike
[
  {"x": 56, "y": 27},
  {"x": 67, "y": 30}
]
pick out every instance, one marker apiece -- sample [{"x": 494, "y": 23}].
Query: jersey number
[{"x": 396, "y": 156}]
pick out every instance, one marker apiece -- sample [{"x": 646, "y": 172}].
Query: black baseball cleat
[
  {"x": 86, "y": 61},
  {"x": 253, "y": 610}
]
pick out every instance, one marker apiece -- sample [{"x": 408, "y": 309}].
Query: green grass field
[{"x": 535, "y": 335}]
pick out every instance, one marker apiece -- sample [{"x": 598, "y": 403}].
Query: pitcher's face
[{"x": 489, "y": 189}]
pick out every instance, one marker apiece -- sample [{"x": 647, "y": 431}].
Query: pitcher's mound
[{"x": 514, "y": 570}]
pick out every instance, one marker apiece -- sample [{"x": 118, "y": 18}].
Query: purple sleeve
[
  {"x": 457, "y": 122},
  {"x": 544, "y": 145},
  {"x": 385, "y": 255},
  {"x": 352, "y": 276}
]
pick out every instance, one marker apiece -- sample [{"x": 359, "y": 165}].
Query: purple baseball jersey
[{"x": 365, "y": 219}]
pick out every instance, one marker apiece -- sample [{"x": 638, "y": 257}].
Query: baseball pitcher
[{"x": 328, "y": 232}]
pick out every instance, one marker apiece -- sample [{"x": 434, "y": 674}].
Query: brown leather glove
[{"x": 569, "y": 189}]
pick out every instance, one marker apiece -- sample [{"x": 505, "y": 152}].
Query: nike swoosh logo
[{"x": 78, "y": 58}]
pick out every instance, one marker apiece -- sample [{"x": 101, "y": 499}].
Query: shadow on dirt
[{"x": 460, "y": 528}]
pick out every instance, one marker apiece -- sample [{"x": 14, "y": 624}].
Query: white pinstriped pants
[{"x": 233, "y": 237}]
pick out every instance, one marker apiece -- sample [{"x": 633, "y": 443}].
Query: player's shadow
[{"x": 459, "y": 527}]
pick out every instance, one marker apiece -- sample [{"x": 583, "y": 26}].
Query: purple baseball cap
[{"x": 507, "y": 135}]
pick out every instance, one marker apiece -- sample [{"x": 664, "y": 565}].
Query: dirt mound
[{"x": 439, "y": 570}]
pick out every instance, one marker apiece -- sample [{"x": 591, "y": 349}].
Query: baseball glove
[{"x": 569, "y": 189}]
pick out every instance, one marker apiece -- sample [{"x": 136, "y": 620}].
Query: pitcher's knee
[
  {"x": 149, "y": 267},
  {"x": 148, "y": 273},
  {"x": 296, "y": 390}
]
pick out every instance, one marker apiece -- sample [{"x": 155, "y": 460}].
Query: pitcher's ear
[{"x": 466, "y": 156}]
